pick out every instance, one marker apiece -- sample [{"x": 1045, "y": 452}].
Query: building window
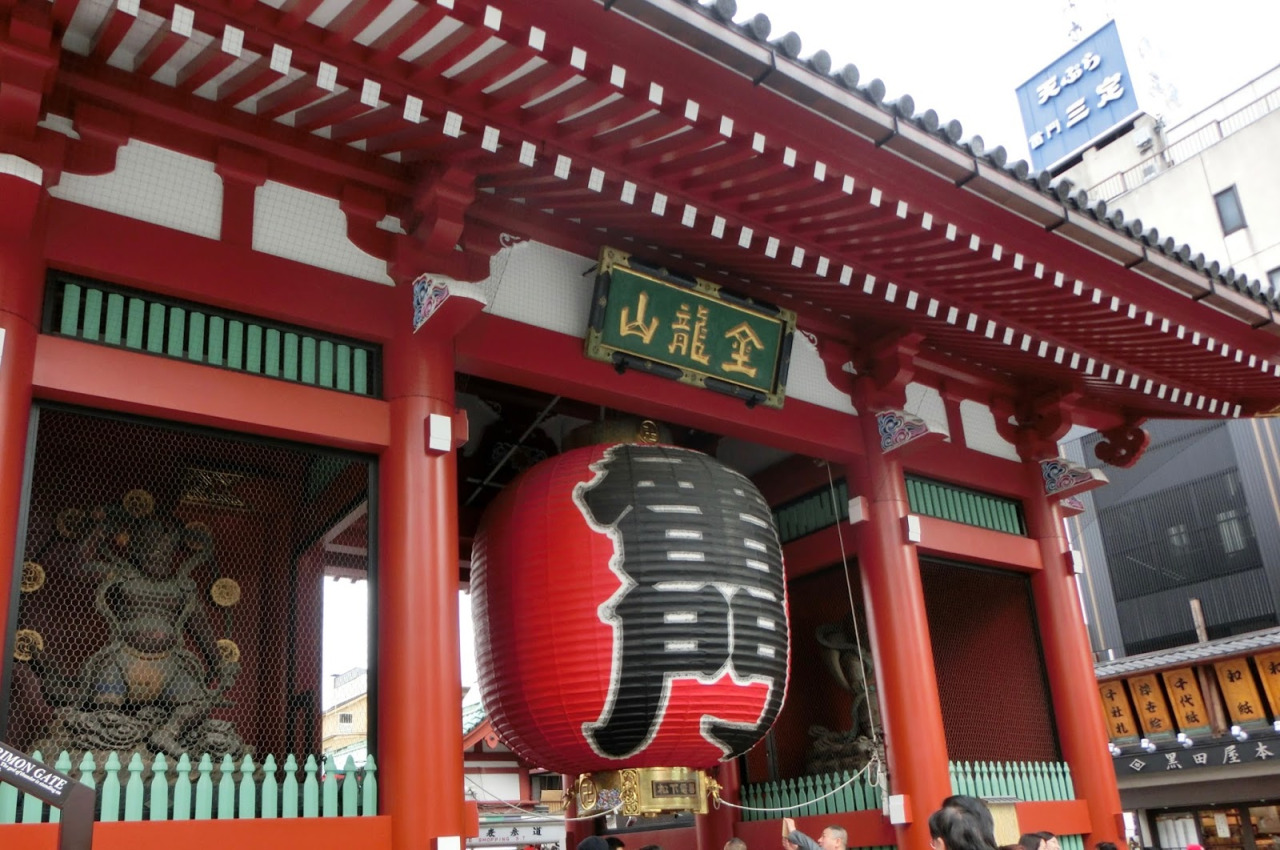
[
  {"x": 1230, "y": 212},
  {"x": 1179, "y": 537},
  {"x": 344, "y": 722},
  {"x": 1231, "y": 530},
  {"x": 1273, "y": 277}
]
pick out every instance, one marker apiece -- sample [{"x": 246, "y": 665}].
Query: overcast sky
[{"x": 965, "y": 58}]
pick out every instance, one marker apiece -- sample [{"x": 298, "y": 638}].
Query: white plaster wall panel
[
  {"x": 980, "y": 431},
  {"x": 311, "y": 229},
  {"x": 542, "y": 286},
  {"x": 927, "y": 403},
  {"x": 156, "y": 185},
  {"x": 807, "y": 378},
  {"x": 488, "y": 787},
  {"x": 549, "y": 288},
  {"x": 21, "y": 168}
]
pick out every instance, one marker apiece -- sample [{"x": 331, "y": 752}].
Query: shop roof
[
  {"x": 662, "y": 128},
  {"x": 1193, "y": 654}
]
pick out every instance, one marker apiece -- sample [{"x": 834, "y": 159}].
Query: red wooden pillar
[
  {"x": 910, "y": 710},
  {"x": 714, "y": 828},
  {"x": 419, "y": 676},
  {"x": 1069, "y": 666},
  {"x": 575, "y": 828},
  {"x": 22, "y": 271}
]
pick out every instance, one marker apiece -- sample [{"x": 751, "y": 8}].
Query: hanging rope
[
  {"x": 853, "y": 611},
  {"x": 872, "y": 767},
  {"x": 876, "y": 776}
]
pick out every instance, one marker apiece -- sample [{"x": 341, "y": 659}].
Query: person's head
[
  {"x": 975, "y": 809},
  {"x": 1050, "y": 840},
  {"x": 1032, "y": 841},
  {"x": 833, "y": 838},
  {"x": 1104, "y": 845},
  {"x": 593, "y": 842},
  {"x": 614, "y": 842},
  {"x": 963, "y": 823},
  {"x": 735, "y": 844}
]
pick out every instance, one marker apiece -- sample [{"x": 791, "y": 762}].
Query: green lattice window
[
  {"x": 959, "y": 504},
  {"x": 108, "y": 315},
  {"x": 817, "y": 510}
]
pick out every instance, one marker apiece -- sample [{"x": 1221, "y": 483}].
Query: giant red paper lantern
[{"x": 630, "y": 611}]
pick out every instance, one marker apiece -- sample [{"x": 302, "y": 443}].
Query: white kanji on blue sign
[{"x": 1077, "y": 99}]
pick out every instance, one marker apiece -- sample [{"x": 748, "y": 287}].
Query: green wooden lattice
[
  {"x": 98, "y": 313},
  {"x": 167, "y": 789}
]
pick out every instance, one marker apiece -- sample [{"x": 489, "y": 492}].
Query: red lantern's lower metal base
[{"x": 644, "y": 791}]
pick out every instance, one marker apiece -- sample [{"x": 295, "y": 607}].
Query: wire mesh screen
[
  {"x": 986, "y": 654},
  {"x": 825, "y": 723},
  {"x": 190, "y": 593}
]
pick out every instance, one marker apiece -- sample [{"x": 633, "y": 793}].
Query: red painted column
[
  {"x": 714, "y": 828},
  {"x": 910, "y": 710},
  {"x": 419, "y": 676},
  {"x": 1069, "y": 666},
  {"x": 575, "y": 829},
  {"x": 22, "y": 271}
]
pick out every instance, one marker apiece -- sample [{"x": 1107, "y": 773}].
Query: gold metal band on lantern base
[{"x": 645, "y": 791}]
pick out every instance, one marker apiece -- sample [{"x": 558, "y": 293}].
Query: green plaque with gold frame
[{"x": 648, "y": 318}]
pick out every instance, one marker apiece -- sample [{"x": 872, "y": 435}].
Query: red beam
[
  {"x": 136, "y": 253},
  {"x": 196, "y": 127},
  {"x": 114, "y": 27},
  {"x": 257, "y": 76},
  {"x": 100, "y": 376},
  {"x": 368, "y": 833},
  {"x": 352, "y": 21},
  {"x": 158, "y": 50},
  {"x": 211, "y": 61},
  {"x": 1065, "y": 817},
  {"x": 506, "y": 350},
  {"x": 942, "y": 538}
]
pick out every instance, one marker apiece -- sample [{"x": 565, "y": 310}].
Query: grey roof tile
[
  {"x": 788, "y": 47},
  {"x": 1192, "y": 654}
]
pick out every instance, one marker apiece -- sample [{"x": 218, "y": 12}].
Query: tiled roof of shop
[
  {"x": 472, "y": 716},
  {"x": 1194, "y": 653}
]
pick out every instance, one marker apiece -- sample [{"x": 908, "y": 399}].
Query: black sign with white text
[
  {"x": 1217, "y": 754},
  {"x": 33, "y": 777},
  {"x": 76, "y": 800}
]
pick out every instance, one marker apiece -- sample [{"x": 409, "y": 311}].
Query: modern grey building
[
  {"x": 1196, "y": 518},
  {"x": 1193, "y": 529}
]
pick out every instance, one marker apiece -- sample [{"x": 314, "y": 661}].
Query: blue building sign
[{"x": 1077, "y": 99}]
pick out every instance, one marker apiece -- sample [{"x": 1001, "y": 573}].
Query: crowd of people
[{"x": 962, "y": 823}]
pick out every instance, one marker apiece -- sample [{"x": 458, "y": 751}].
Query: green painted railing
[
  {"x": 800, "y": 797},
  {"x": 1071, "y": 842},
  {"x": 1035, "y": 781},
  {"x": 106, "y": 315},
  {"x": 815, "y": 511},
  {"x": 958, "y": 504},
  {"x": 203, "y": 791},
  {"x": 811, "y": 512}
]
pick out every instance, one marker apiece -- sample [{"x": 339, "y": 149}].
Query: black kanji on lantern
[{"x": 702, "y": 591}]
